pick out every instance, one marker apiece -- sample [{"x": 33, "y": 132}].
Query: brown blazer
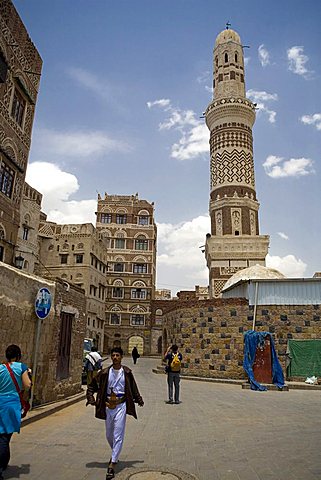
[{"x": 99, "y": 386}]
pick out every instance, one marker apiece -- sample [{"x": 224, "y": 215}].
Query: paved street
[{"x": 218, "y": 432}]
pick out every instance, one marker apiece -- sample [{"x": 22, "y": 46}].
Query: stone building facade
[
  {"x": 234, "y": 242},
  {"x": 209, "y": 333},
  {"x": 77, "y": 254},
  {"x": 59, "y": 361},
  {"x": 20, "y": 70},
  {"x": 27, "y": 248},
  {"x": 127, "y": 223}
]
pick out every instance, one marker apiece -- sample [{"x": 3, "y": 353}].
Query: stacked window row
[{"x": 121, "y": 218}]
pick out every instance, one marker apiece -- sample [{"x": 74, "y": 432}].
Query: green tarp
[{"x": 305, "y": 358}]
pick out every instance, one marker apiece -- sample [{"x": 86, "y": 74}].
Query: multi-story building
[
  {"x": 234, "y": 242},
  {"x": 27, "y": 249},
  {"x": 163, "y": 294},
  {"x": 127, "y": 223},
  {"x": 77, "y": 254},
  {"x": 20, "y": 70}
]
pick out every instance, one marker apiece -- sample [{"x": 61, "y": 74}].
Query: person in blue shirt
[
  {"x": 173, "y": 372},
  {"x": 10, "y": 406}
]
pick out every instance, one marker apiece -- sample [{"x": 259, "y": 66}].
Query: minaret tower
[{"x": 234, "y": 242}]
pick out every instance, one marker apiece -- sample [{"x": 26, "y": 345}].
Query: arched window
[
  {"x": 236, "y": 58},
  {"x": 226, "y": 58}
]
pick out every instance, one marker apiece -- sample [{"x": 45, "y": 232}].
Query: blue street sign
[{"x": 43, "y": 303}]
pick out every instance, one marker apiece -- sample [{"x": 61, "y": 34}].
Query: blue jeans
[
  {"x": 4, "y": 450},
  {"x": 173, "y": 378}
]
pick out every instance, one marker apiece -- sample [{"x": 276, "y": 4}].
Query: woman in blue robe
[{"x": 10, "y": 406}]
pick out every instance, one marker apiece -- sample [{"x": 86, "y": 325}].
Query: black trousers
[{"x": 4, "y": 450}]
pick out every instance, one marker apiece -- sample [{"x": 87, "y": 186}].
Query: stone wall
[
  {"x": 18, "y": 324},
  {"x": 209, "y": 333}
]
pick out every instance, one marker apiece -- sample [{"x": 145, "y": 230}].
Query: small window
[
  {"x": 226, "y": 58},
  {"x": 6, "y": 180},
  {"x": 3, "y": 69},
  {"x": 138, "y": 319},
  {"x": 236, "y": 58},
  {"x": 143, "y": 220},
  {"x": 121, "y": 218},
  {"x": 119, "y": 243},
  {"x": 139, "y": 293},
  {"x": 220, "y": 77},
  {"x": 141, "y": 244},
  {"x": 79, "y": 258},
  {"x": 140, "y": 268},
  {"x": 237, "y": 232},
  {"x": 118, "y": 267},
  {"x": 18, "y": 107},
  {"x": 242, "y": 78},
  {"x": 105, "y": 217},
  {"x": 63, "y": 258},
  {"x": 114, "y": 319},
  {"x": 118, "y": 292},
  {"x": 25, "y": 233},
  {"x": 232, "y": 75}
]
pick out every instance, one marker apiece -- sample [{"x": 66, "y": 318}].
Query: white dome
[
  {"x": 257, "y": 272},
  {"x": 227, "y": 35}
]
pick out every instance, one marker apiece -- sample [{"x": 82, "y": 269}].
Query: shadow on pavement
[
  {"x": 120, "y": 466},
  {"x": 13, "y": 471}
]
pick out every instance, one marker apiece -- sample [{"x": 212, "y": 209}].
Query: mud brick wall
[
  {"x": 209, "y": 333},
  {"x": 18, "y": 323}
]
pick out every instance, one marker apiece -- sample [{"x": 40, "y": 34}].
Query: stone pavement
[{"x": 218, "y": 432}]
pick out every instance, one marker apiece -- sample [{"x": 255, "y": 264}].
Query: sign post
[{"x": 42, "y": 309}]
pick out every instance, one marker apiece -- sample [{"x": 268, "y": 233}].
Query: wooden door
[{"x": 262, "y": 367}]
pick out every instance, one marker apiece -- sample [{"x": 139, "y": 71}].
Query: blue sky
[{"x": 123, "y": 88}]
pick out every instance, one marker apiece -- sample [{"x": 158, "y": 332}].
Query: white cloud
[
  {"x": 163, "y": 102},
  {"x": 180, "y": 256},
  {"x": 297, "y": 60},
  {"x": 277, "y": 167},
  {"x": 53, "y": 144},
  {"x": 264, "y": 55},
  {"x": 194, "y": 139},
  {"x": 246, "y": 61},
  {"x": 314, "y": 119},
  {"x": 192, "y": 143},
  {"x": 289, "y": 265},
  {"x": 57, "y": 186},
  {"x": 283, "y": 235},
  {"x": 260, "y": 98}
]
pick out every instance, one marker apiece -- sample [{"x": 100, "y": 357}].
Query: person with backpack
[
  {"x": 93, "y": 364},
  {"x": 173, "y": 369}
]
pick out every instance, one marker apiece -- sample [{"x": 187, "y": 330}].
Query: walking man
[
  {"x": 117, "y": 394},
  {"x": 135, "y": 354},
  {"x": 173, "y": 358}
]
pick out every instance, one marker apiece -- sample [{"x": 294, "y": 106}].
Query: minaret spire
[{"x": 234, "y": 242}]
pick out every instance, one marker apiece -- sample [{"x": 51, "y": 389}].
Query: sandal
[{"x": 110, "y": 473}]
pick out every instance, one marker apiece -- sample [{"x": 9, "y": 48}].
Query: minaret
[{"x": 234, "y": 242}]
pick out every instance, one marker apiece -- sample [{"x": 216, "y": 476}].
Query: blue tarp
[{"x": 252, "y": 340}]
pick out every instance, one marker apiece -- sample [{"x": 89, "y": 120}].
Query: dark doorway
[{"x": 160, "y": 345}]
